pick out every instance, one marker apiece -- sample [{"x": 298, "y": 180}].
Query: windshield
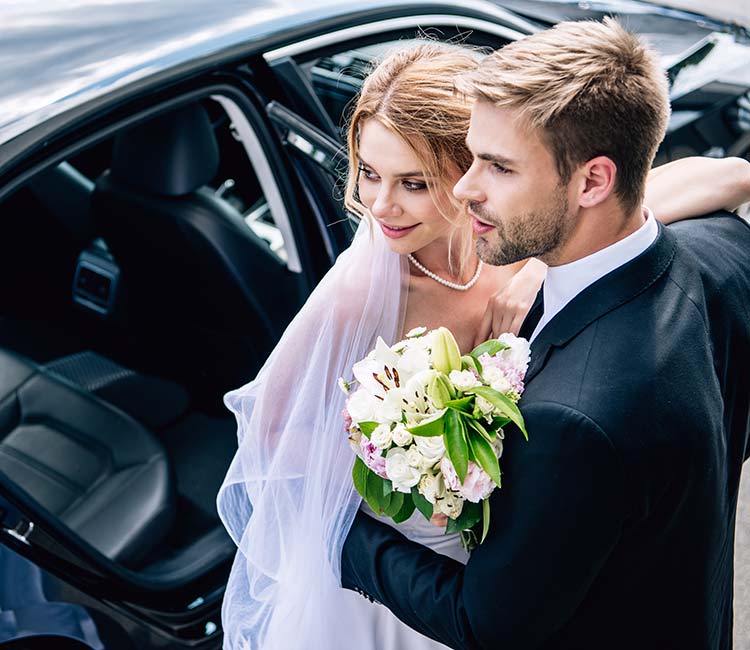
[{"x": 731, "y": 11}]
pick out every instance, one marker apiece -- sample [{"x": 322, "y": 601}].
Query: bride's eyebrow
[{"x": 401, "y": 175}]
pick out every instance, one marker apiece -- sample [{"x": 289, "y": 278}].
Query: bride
[{"x": 288, "y": 499}]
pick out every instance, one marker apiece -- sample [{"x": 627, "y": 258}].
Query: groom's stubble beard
[{"x": 528, "y": 234}]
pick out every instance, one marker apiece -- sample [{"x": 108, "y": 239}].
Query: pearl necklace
[{"x": 445, "y": 283}]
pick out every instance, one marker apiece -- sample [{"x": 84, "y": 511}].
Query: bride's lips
[
  {"x": 480, "y": 227},
  {"x": 394, "y": 232}
]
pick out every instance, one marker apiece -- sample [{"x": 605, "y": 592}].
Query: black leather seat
[
  {"x": 94, "y": 467},
  {"x": 191, "y": 268}
]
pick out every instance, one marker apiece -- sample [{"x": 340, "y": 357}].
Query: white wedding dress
[
  {"x": 288, "y": 499},
  {"x": 388, "y": 632}
]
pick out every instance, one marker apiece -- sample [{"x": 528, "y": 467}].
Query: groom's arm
[{"x": 554, "y": 522}]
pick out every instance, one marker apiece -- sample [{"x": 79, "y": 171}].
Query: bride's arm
[{"x": 694, "y": 186}]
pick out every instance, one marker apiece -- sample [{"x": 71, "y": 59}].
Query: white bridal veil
[{"x": 288, "y": 500}]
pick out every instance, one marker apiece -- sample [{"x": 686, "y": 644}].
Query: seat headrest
[{"x": 170, "y": 155}]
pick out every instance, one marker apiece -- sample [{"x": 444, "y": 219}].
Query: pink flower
[
  {"x": 477, "y": 486},
  {"x": 512, "y": 362},
  {"x": 347, "y": 420},
  {"x": 510, "y": 371},
  {"x": 372, "y": 457}
]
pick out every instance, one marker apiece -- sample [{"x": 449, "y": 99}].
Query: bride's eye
[
  {"x": 367, "y": 173},
  {"x": 414, "y": 186}
]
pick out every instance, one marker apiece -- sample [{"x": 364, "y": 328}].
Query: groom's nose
[{"x": 466, "y": 189}]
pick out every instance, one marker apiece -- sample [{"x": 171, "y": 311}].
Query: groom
[{"x": 614, "y": 527}]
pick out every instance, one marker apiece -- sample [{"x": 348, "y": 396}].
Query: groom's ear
[{"x": 598, "y": 177}]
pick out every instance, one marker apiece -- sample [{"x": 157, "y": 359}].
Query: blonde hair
[
  {"x": 591, "y": 89},
  {"x": 411, "y": 92}
]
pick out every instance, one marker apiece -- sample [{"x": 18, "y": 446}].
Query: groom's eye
[{"x": 500, "y": 169}]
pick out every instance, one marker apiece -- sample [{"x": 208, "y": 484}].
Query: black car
[{"x": 170, "y": 193}]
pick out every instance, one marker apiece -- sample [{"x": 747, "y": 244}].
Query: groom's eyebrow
[{"x": 494, "y": 158}]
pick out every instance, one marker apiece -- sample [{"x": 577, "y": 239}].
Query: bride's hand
[
  {"x": 508, "y": 307},
  {"x": 440, "y": 520}
]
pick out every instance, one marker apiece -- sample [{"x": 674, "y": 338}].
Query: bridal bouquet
[{"x": 427, "y": 425}]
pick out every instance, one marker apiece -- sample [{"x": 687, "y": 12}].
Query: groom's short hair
[{"x": 591, "y": 89}]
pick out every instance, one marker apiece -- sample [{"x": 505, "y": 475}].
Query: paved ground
[{"x": 742, "y": 568}]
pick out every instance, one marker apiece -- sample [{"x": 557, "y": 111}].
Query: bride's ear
[{"x": 598, "y": 177}]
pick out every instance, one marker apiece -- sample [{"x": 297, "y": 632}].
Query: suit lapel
[
  {"x": 614, "y": 289},
  {"x": 534, "y": 316}
]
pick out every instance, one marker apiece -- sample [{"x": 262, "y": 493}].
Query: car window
[{"x": 337, "y": 78}]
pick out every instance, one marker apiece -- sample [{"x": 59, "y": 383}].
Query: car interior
[{"x": 141, "y": 279}]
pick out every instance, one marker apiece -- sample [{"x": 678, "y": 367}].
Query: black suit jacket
[{"x": 614, "y": 527}]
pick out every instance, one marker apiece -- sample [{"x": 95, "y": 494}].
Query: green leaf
[
  {"x": 395, "y": 504},
  {"x": 374, "y": 492},
  {"x": 422, "y": 504},
  {"x": 486, "y": 458},
  {"x": 367, "y": 428},
  {"x": 479, "y": 428},
  {"x": 470, "y": 363},
  {"x": 470, "y": 515},
  {"x": 387, "y": 487},
  {"x": 502, "y": 403},
  {"x": 497, "y": 424},
  {"x": 486, "y": 519},
  {"x": 359, "y": 476},
  {"x": 406, "y": 509},
  {"x": 430, "y": 427},
  {"x": 464, "y": 404},
  {"x": 455, "y": 443},
  {"x": 440, "y": 390},
  {"x": 491, "y": 347}
]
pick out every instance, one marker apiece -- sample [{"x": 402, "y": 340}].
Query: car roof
[{"x": 57, "y": 55}]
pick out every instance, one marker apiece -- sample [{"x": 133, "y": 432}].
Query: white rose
[
  {"x": 432, "y": 448},
  {"x": 401, "y": 436},
  {"x": 463, "y": 380},
  {"x": 501, "y": 385},
  {"x": 403, "y": 476},
  {"x": 362, "y": 406},
  {"x": 414, "y": 458},
  {"x": 432, "y": 487},
  {"x": 381, "y": 437},
  {"x": 492, "y": 373},
  {"x": 519, "y": 353},
  {"x": 417, "y": 331},
  {"x": 451, "y": 504}
]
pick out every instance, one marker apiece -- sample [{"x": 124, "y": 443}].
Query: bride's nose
[{"x": 384, "y": 204}]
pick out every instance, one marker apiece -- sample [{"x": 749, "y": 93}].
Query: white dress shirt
[{"x": 565, "y": 282}]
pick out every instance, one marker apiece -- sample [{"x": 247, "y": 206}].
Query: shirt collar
[{"x": 565, "y": 282}]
